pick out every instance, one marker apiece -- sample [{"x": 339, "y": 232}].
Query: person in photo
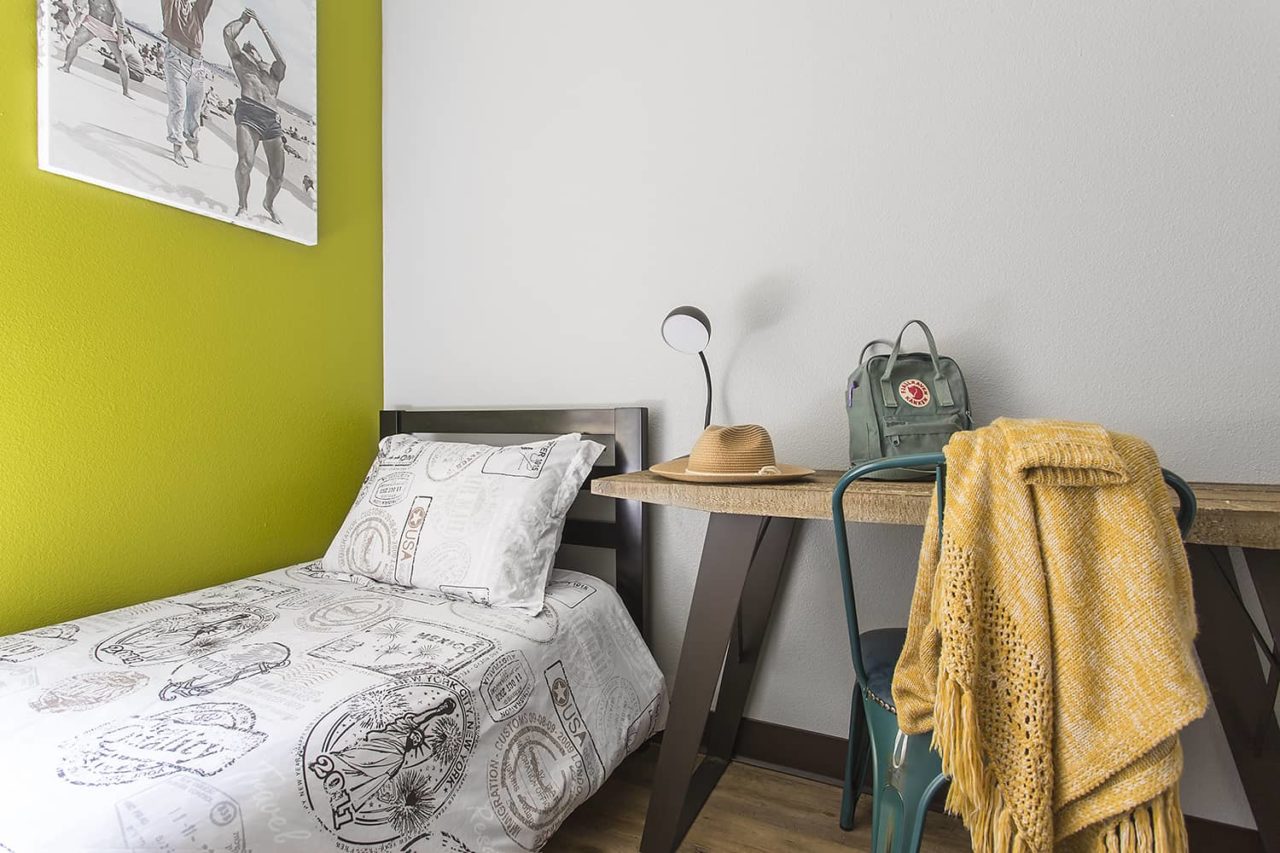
[
  {"x": 207, "y": 103},
  {"x": 132, "y": 58},
  {"x": 183, "y": 64},
  {"x": 61, "y": 19},
  {"x": 257, "y": 117},
  {"x": 104, "y": 21}
]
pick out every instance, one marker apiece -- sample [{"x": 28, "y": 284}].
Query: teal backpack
[{"x": 904, "y": 403}]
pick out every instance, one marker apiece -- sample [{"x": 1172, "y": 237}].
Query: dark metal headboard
[{"x": 626, "y": 535}]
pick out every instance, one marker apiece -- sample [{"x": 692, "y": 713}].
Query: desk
[{"x": 748, "y": 536}]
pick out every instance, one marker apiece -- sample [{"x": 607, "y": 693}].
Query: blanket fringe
[
  {"x": 1153, "y": 827},
  {"x": 1156, "y": 826},
  {"x": 974, "y": 794}
]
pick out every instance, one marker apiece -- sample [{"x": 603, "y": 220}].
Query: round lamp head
[{"x": 686, "y": 329}]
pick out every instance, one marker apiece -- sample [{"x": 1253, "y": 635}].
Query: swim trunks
[
  {"x": 259, "y": 118},
  {"x": 104, "y": 31}
]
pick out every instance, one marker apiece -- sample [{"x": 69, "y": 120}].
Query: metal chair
[{"x": 906, "y": 772}]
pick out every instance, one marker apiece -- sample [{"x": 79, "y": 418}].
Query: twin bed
[{"x": 305, "y": 710}]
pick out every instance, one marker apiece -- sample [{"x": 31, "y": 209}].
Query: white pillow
[{"x": 466, "y": 521}]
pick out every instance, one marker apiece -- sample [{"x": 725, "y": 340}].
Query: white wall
[{"x": 1082, "y": 199}]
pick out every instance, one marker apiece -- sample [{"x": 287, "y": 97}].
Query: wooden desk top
[{"x": 1243, "y": 515}]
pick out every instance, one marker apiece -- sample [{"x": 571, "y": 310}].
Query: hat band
[{"x": 767, "y": 470}]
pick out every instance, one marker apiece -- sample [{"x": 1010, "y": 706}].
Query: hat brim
[{"x": 678, "y": 469}]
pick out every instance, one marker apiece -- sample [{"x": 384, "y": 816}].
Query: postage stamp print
[
  {"x": 203, "y": 739},
  {"x": 390, "y": 489},
  {"x": 507, "y": 685},
  {"x": 221, "y": 669},
  {"x": 29, "y": 645},
  {"x": 437, "y": 842},
  {"x": 368, "y": 547},
  {"x": 618, "y": 704},
  {"x": 343, "y": 614},
  {"x": 526, "y": 460},
  {"x": 469, "y": 500},
  {"x": 182, "y": 813},
  {"x": 383, "y": 764},
  {"x": 183, "y": 636},
  {"x": 407, "y": 552},
  {"x": 570, "y": 593},
  {"x": 535, "y": 779},
  {"x": 448, "y": 562},
  {"x": 400, "y": 647},
  {"x": 645, "y": 725},
  {"x": 575, "y": 726},
  {"x": 307, "y": 599},
  {"x": 249, "y": 591},
  {"x": 17, "y": 677},
  {"x": 542, "y": 628},
  {"x": 449, "y": 459},
  {"x": 87, "y": 690},
  {"x": 471, "y": 594},
  {"x": 314, "y": 574},
  {"x": 401, "y": 451}
]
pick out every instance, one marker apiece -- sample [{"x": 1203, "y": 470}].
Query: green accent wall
[{"x": 182, "y": 402}]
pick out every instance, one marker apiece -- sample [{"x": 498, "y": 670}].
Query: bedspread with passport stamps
[{"x": 299, "y": 711}]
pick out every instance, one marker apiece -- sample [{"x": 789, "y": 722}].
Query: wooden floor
[{"x": 752, "y": 811}]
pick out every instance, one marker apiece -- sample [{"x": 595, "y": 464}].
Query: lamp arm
[{"x": 707, "y": 370}]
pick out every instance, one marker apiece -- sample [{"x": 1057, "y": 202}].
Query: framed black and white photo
[{"x": 206, "y": 105}]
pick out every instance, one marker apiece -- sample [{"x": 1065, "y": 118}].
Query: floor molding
[{"x": 821, "y": 757}]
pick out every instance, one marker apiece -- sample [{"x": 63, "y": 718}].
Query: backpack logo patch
[{"x": 914, "y": 392}]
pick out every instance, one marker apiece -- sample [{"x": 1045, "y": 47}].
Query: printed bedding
[{"x": 299, "y": 711}]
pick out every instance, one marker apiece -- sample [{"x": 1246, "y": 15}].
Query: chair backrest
[{"x": 1186, "y": 517}]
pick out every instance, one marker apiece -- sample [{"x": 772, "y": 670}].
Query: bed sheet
[{"x": 298, "y": 712}]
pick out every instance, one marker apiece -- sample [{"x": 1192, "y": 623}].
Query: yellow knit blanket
[{"x": 1050, "y": 642}]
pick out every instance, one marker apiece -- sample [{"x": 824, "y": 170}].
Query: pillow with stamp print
[{"x": 470, "y": 522}]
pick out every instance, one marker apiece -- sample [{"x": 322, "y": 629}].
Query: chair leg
[
  {"x": 856, "y": 760},
  {"x": 886, "y": 813},
  {"x": 886, "y": 801},
  {"x": 908, "y": 773},
  {"x": 924, "y": 784}
]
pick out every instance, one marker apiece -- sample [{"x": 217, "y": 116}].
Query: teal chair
[{"x": 906, "y": 773}]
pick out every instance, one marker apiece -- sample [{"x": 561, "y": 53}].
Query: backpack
[{"x": 904, "y": 403}]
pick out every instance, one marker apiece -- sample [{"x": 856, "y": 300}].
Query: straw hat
[{"x": 734, "y": 454}]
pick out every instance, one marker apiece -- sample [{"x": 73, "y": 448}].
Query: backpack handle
[
  {"x": 941, "y": 385},
  {"x": 877, "y": 342},
  {"x": 853, "y": 383}
]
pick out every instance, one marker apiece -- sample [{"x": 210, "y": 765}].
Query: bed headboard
[{"x": 626, "y": 430}]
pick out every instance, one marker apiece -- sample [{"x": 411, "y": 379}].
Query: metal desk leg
[
  {"x": 742, "y": 561},
  {"x": 1244, "y": 696}
]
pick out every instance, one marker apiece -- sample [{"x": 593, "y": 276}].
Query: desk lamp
[{"x": 686, "y": 329}]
